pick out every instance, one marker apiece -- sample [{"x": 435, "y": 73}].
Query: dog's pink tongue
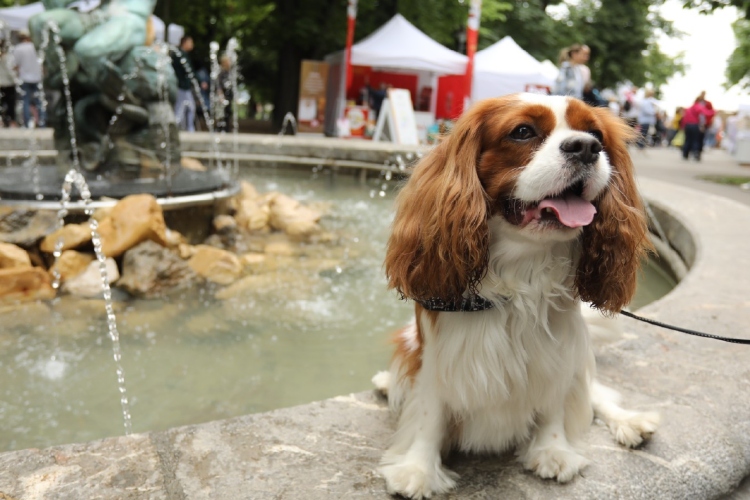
[{"x": 572, "y": 211}]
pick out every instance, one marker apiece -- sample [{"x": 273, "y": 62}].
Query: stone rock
[
  {"x": 174, "y": 238},
  {"x": 73, "y": 236},
  {"x": 290, "y": 216},
  {"x": 134, "y": 219},
  {"x": 215, "y": 241},
  {"x": 72, "y": 263},
  {"x": 26, "y": 227},
  {"x": 216, "y": 265},
  {"x": 13, "y": 256},
  {"x": 102, "y": 213},
  {"x": 253, "y": 214},
  {"x": 89, "y": 282},
  {"x": 185, "y": 251},
  {"x": 192, "y": 164},
  {"x": 224, "y": 223},
  {"x": 254, "y": 263},
  {"x": 25, "y": 284},
  {"x": 150, "y": 270}
]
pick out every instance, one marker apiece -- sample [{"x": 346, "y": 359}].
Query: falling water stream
[{"x": 75, "y": 178}]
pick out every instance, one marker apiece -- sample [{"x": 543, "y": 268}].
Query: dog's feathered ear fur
[
  {"x": 614, "y": 245},
  {"x": 439, "y": 244}
]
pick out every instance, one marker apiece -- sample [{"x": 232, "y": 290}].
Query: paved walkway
[{"x": 666, "y": 164}]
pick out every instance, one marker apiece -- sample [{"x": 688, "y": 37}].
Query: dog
[{"x": 528, "y": 208}]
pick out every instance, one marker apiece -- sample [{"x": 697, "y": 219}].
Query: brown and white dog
[{"x": 528, "y": 208}]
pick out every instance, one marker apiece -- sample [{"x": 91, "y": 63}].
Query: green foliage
[
  {"x": 708, "y": 6},
  {"x": 738, "y": 66}
]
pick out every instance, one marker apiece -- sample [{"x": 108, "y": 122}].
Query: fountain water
[
  {"x": 75, "y": 178},
  {"x": 232, "y": 47}
]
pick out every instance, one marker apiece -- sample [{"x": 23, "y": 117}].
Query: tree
[
  {"x": 738, "y": 65},
  {"x": 622, "y": 37}
]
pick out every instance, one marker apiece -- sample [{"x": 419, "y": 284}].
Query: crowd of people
[
  {"x": 21, "y": 74},
  {"x": 690, "y": 129}
]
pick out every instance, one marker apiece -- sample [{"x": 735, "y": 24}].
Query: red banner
[
  {"x": 351, "y": 18},
  {"x": 472, "y": 37}
]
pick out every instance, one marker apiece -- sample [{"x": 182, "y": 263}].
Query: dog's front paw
[
  {"x": 417, "y": 480},
  {"x": 637, "y": 426},
  {"x": 562, "y": 464}
]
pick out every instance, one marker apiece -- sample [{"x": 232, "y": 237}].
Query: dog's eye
[
  {"x": 597, "y": 135},
  {"x": 522, "y": 133}
]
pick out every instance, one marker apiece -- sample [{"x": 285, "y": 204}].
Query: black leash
[{"x": 685, "y": 330}]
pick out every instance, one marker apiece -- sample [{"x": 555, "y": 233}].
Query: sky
[{"x": 708, "y": 42}]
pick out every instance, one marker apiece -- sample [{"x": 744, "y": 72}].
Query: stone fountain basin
[{"x": 330, "y": 449}]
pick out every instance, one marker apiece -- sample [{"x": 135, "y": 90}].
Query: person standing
[
  {"x": 694, "y": 119},
  {"x": 675, "y": 125},
  {"x": 30, "y": 73},
  {"x": 710, "y": 113},
  {"x": 647, "y": 111},
  {"x": 574, "y": 74},
  {"x": 184, "y": 109},
  {"x": 7, "y": 86}
]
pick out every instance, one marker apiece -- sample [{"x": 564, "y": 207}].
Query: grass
[{"x": 732, "y": 180}]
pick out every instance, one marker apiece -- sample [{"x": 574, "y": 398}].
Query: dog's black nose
[{"x": 583, "y": 149}]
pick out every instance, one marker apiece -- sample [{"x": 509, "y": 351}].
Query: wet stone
[
  {"x": 25, "y": 227},
  {"x": 150, "y": 270}
]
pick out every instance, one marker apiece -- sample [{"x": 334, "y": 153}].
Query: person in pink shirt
[{"x": 695, "y": 120}]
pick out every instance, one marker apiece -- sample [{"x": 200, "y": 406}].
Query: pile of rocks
[{"x": 257, "y": 234}]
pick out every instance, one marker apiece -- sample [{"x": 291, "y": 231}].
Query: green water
[{"x": 192, "y": 359}]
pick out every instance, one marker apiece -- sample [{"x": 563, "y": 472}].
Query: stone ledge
[{"x": 330, "y": 449}]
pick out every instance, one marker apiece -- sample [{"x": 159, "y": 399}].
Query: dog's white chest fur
[
  {"x": 494, "y": 376},
  {"x": 497, "y": 369}
]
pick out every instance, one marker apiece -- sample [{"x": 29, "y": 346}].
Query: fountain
[{"x": 114, "y": 122}]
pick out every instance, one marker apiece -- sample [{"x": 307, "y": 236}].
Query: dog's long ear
[
  {"x": 439, "y": 243},
  {"x": 615, "y": 244}
]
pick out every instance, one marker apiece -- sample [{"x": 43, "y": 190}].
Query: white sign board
[{"x": 397, "y": 119}]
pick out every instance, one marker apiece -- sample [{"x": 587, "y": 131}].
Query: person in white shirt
[
  {"x": 574, "y": 74},
  {"x": 7, "y": 86},
  {"x": 647, "y": 111},
  {"x": 30, "y": 73}
]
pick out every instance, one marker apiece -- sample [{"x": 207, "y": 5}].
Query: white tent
[
  {"x": 505, "y": 68},
  {"x": 397, "y": 45},
  {"x": 17, "y": 18},
  {"x": 549, "y": 69}
]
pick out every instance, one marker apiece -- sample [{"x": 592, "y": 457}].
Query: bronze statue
[{"x": 122, "y": 87}]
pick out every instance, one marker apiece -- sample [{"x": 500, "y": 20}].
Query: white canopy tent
[
  {"x": 17, "y": 18},
  {"x": 505, "y": 68},
  {"x": 550, "y": 69},
  {"x": 397, "y": 45}
]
